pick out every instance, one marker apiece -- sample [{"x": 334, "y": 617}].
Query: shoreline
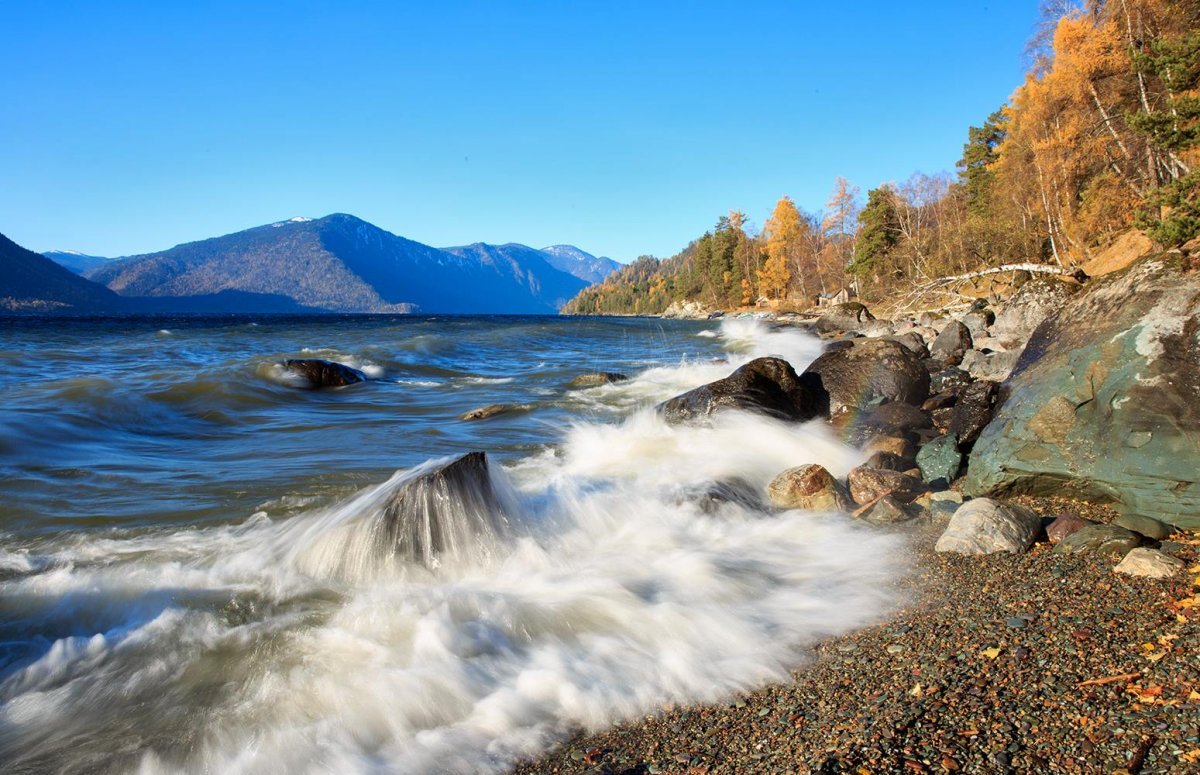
[{"x": 1036, "y": 662}]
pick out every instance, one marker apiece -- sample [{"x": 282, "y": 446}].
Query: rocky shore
[{"x": 1039, "y": 452}]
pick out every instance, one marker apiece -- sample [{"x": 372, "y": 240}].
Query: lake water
[{"x": 182, "y": 533}]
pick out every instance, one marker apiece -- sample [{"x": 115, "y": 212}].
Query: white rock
[
  {"x": 983, "y": 526},
  {"x": 1150, "y": 563}
]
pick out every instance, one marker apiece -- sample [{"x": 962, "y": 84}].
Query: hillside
[
  {"x": 32, "y": 283},
  {"x": 344, "y": 264},
  {"x": 525, "y": 267}
]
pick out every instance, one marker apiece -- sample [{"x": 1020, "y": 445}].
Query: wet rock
[
  {"x": 850, "y": 316},
  {"x": 1099, "y": 539},
  {"x": 889, "y": 461},
  {"x": 940, "y": 460},
  {"x": 887, "y": 511},
  {"x": 869, "y": 371},
  {"x": 992, "y": 366},
  {"x": 940, "y": 401},
  {"x": 764, "y": 385},
  {"x": 319, "y": 373},
  {"x": 891, "y": 419},
  {"x": 869, "y": 484},
  {"x": 1147, "y": 526},
  {"x": 1150, "y": 563},
  {"x": 595, "y": 379},
  {"x": 492, "y": 410},
  {"x": 899, "y": 446},
  {"x": 1034, "y": 302},
  {"x": 951, "y": 380},
  {"x": 951, "y": 344},
  {"x": 448, "y": 512},
  {"x": 973, "y": 411},
  {"x": 1103, "y": 400},
  {"x": 713, "y": 496},
  {"x": 1065, "y": 525},
  {"x": 985, "y": 526},
  {"x": 808, "y": 487}
]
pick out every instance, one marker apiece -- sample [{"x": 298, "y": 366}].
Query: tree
[
  {"x": 878, "y": 235},
  {"x": 841, "y": 221},
  {"x": 975, "y": 167},
  {"x": 784, "y": 235}
]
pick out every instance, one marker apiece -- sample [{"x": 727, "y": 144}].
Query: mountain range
[{"x": 338, "y": 263}]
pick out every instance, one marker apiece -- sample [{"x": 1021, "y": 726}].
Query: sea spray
[{"x": 302, "y": 643}]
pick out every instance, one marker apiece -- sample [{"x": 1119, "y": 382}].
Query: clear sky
[{"x": 622, "y": 127}]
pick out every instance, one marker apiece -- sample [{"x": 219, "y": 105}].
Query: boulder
[
  {"x": 1150, "y": 563},
  {"x": 891, "y": 419},
  {"x": 1065, "y": 525},
  {"x": 951, "y": 344},
  {"x": 991, "y": 366},
  {"x": 985, "y": 526},
  {"x": 913, "y": 341},
  {"x": 951, "y": 380},
  {"x": 974, "y": 410},
  {"x": 1147, "y": 526},
  {"x": 765, "y": 385},
  {"x": 899, "y": 446},
  {"x": 319, "y": 373},
  {"x": 1099, "y": 539},
  {"x": 940, "y": 460},
  {"x": 866, "y": 372},
  {"x": 809, "y": 487},
  {"x": 850, "y": 316},
  {"x": 1034, "y": 302},
  {"x": 1102, "y": 403},
  {"x": 977, "y": 322},
  {"x": 869, "y": 484},
  {"x": 596, "y": 379},
  {"x": 451, "y": 511},
  {"x": 888, "y": 461}
]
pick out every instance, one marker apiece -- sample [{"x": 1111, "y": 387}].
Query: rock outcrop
[{"x": 1102, "y": 404}]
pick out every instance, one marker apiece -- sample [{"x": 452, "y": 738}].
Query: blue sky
[{"x": 622, "y": 127}]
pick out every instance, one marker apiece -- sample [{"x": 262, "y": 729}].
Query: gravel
[{"x": 1037, "y": 662}]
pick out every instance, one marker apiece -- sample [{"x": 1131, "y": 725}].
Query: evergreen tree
[{"x": 879, "y": 232}]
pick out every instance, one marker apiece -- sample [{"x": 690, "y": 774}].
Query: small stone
[
  {"x": 1017, "y": 622},
  {"x": 940, "y": 460},
  {"x": 1147, "y": 526},
  {"x": 1064, "y": 525},
  {"x": 947, "y": 496},
  {"x": 869, "y": 484},
  {"x": 887, "y": 511},
  {"x": 596, "y": 379},
  {"x": 1100, "y": 539},
  {"x": 484, "y": 412},
  {"x": 1149, "y": 563}
]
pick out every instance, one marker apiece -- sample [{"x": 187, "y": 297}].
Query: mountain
[
  {"x": 32, "y": 283},
  {"x": 582, "y": 264},
  {"x": 79, "y": 263},
  {"x": 527, "y": 267},
  {"x": 344, "y": 264}
]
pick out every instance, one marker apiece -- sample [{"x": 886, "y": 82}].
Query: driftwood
[{"x": 1074, "y": 272}]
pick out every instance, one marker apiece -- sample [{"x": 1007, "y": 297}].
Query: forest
[{"x": 1103, "y": 136}]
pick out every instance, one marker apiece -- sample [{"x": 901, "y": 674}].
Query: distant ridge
[
  {"x": 585, "y": 266},
  {"x": 341, "y": 263},
  {"x": 79, "y": 263}
]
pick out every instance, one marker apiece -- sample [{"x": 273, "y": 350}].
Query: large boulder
[
  {"x": 765, "y": 385},
  {"x": 1102, "y": 404},
  {"x": 985, "y": 526},
  {"x": 1033, "y": 302},
  {"x": 851, "y": 316},
  {"x": 952, "y": 344},
  {"x": 866, "y": 372},
  {"x": 809, "y": 487},
  {"x": 319, "y": 373},
  {"x": 448, "y": 512},
  {"x": 973, "y": 411}
]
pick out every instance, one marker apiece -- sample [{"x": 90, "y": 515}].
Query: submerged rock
[
  {"x": 319, "y": 373},
  {"x": 764, "y": 385},
  {"x": 808, "y": 487},
  {"x": 712, "y": 496},
  {"x": 888, "y": 511},
  {"x": 596, "y": 379},
  {"x": 984, "y": 526},
  {"x": 449, "y": 512},
  {"x": 492, "y": 410}
]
